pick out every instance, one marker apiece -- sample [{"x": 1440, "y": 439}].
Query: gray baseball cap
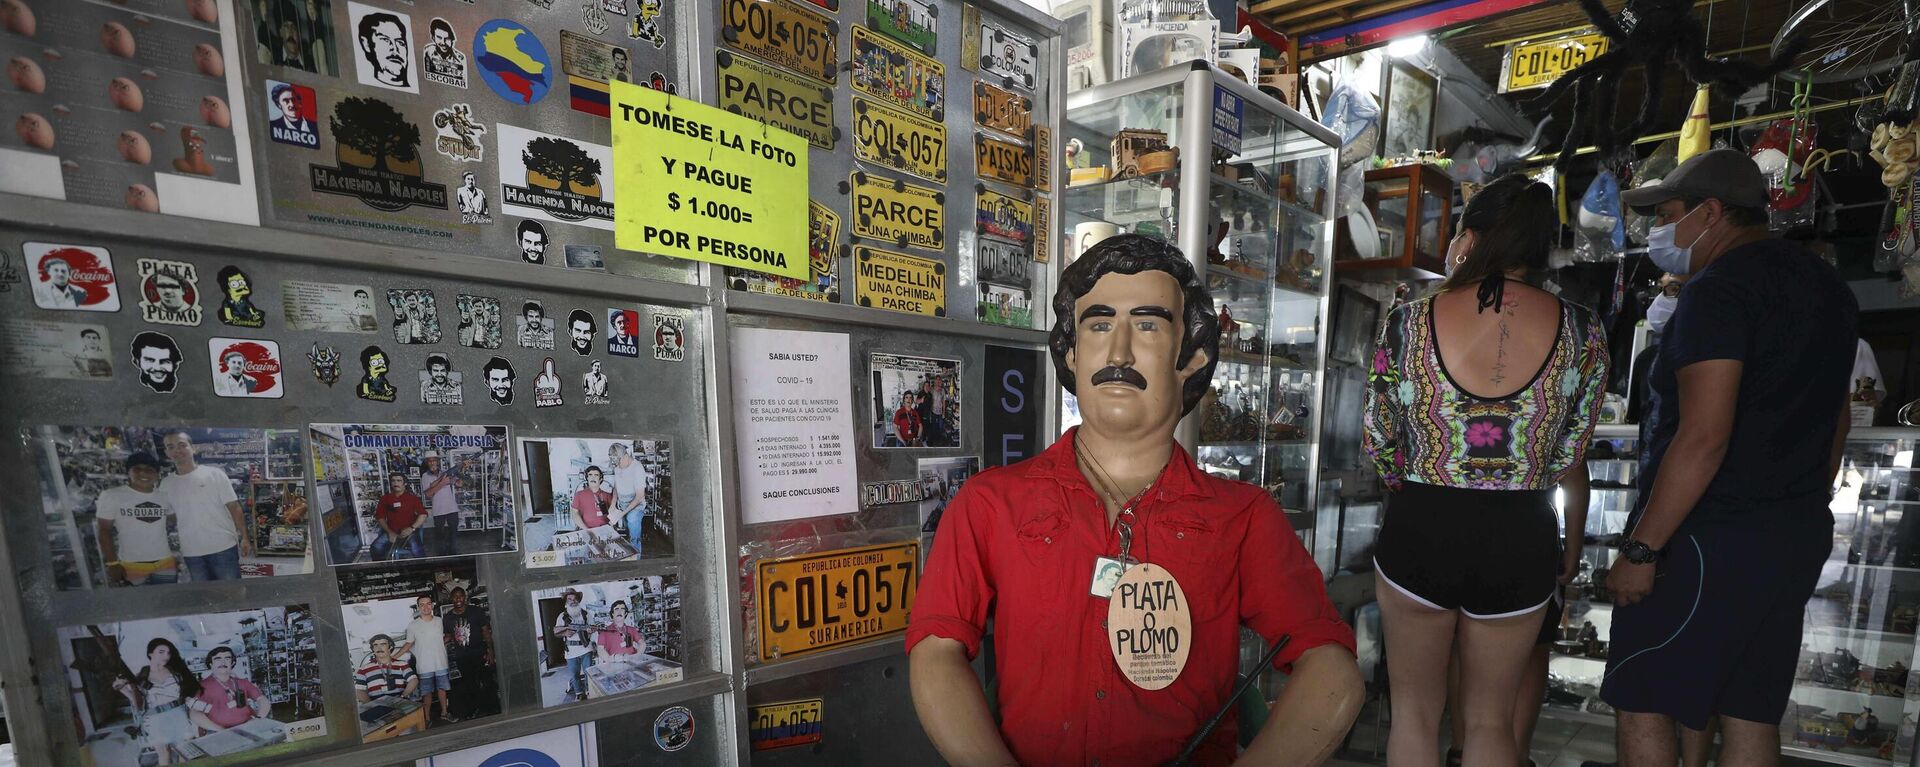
[{"x": 1723, "y": 174}]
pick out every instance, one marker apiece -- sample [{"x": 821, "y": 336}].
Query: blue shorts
[
  {"x": 437, "y": 680},
  {"x": 1720, "y": 634}
]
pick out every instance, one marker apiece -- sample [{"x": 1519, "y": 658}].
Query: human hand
[
  {"x": 1629, "y": 582},
  {"x": 117, "y": 575}
]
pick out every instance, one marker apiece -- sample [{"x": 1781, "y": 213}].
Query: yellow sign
[
  {"x": 784, "y": 34},
  {"x": 818, "y": 601},
  {"x": 899, "y": 140},
  {"x": 1002, "y": 160},
  {"x": 776, "y": 97},
  {"x": 899, "y": 282},
  {"x": 707, "y": 185},
  {"x": 891, "y": 210},
  {"x": 1538, "y": 63}
]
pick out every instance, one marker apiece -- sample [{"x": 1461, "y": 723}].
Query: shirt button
[
  {"x": 1048, "y": 539},
  {"x": 1101, "y": 694},
  {"x": 1181, "y": 536}
]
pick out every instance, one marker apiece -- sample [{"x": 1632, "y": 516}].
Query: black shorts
[
  {"x": 1487, "y": 553},
  {"x": 1720, "y": 634}
]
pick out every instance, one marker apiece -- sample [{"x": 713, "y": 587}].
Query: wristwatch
[{"x": 1639, "y": 553}]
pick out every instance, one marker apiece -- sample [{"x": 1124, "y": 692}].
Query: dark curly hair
[{"x": 1133, "y": 254}]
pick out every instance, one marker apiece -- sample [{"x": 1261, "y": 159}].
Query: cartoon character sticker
[
  {"x": 669, "y": 337},
  {"x": 439, "y": 383},
  {"x": 546, "y": 386},
  {"x": 245, "y": 368},
  {"x": 594, "y": 385},
  {"x": 645, "y": 24},
  {"x": 416, "y": 319},
  {"x": 290, "y": 112},
  {"x": 382, "y": 48},
  {"x": 169, "y": 292},
  {"x": 325, "y": 361},
  {"x": 374, "y": 384},
  {"x": 236, "y": 307},
  {"x": 445, "y": 63},
  {"x": 623, "y": 339},
  {"x": 479, "y": 321},
  {"x": 533, "y": 329},
  {"x": 499, "y": 374},
  {"x": 158, "y": 358},
  {"x": 72, "y": 277}
]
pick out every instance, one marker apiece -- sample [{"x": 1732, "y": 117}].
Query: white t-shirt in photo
[
  {"x": 139, "y": 522},
  {"x": 442, "y": 502},
  {"x": 629, "y": 482},
  {"x": 200, "y": 499},
  {"x": 429, "y": 645}
]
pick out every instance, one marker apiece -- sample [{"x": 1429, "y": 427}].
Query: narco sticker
[
  {"x": 378, "y": 156},
  {"x": 236, "y": 302},
  {"x": 784, "y": 34},
  {"x": 245, "y": 367},
  {"x": 553, "y": 178},
  {"x": 512, "y": 62},
  {"x": 290, "y": 112},
  {"x": 1003, "y": 216},
  {"x": 440, "y": 384},
  {"x": 1002, "y": 160},
  {"x": 457, "y": 134},
  {"x": 896, "y": 212},
  {"x": 169, "y": 292},
  {"x": 890, "y": 72},
  {"x": 777, "y": 97},
  {"x": 623, "y": 327},
  {"x": 899, "y": 140}
]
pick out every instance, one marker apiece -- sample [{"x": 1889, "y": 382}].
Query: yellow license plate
[
  {"x": 1003, "y": 216},
  {"x": 1538, "y": 64},
  {"x": 899, "y": 140},
  {"x": 1002, "y": 160},
  {"x": 784, "y": 34},
  {"x": 780, "y": 725},
  {"x": 819, "y": 601},
  {"x": 898, "y": 282},
  {"x": 1002, "y": 110},
  {"x": 890, "y": 72},
  {"x": 894, "y": 211},
  {"x": 776, "y": 97}
]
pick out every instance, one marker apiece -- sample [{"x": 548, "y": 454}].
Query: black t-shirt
[
  {"x": 466, "y": 632},
  {"x": 1788, "y": 318}
]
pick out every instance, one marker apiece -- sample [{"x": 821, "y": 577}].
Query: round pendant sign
[{"x": 1149, "y": 627}]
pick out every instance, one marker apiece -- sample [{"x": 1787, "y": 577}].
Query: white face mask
[
  {"x": 1666, "y": 254},
  {"x": 1660, "y": 311}
]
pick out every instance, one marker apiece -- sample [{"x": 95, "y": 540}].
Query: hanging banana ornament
[
  {"x": 1896, "y": 147},
  {"x": 1696, "y": 134}
]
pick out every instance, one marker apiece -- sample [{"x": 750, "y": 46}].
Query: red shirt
[
  {"x": 1018, "y": 545},
  {"x": 399, "y": 510},
  {"x": 907, "y": 423}
]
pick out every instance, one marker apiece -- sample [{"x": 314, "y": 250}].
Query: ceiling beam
[
  {"x": 1370, "y": 11},
  {"x": 1265, "y": 6},
  {"x": 1316, "y": 9}
]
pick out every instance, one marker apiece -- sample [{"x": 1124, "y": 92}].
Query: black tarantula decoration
[{"x": 1647, "y": 33}]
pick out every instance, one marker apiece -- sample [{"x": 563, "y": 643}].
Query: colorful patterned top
[{"x": 1422, "y": 427}]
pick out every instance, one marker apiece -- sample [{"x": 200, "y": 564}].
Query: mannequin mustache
[{"x": 1127, "y": 376}]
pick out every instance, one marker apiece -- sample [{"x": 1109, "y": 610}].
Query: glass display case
[
  {"x": 1405, "y": 225},
  {"x": 1579, "y": 660},
  {"x": 1248, "y": 201}
]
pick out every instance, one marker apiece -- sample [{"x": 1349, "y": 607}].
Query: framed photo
[
  {"x": 1355, "y": 317},
  {"x": 1409, "y": 112}
]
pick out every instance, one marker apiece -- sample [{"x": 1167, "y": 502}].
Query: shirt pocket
[
  {"x": 1042, "y": 541},
  {"x": 1195, "y": 550}
]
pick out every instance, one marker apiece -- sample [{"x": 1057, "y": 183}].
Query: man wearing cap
[
  {"x": 437, "y": 486},
  {"x": 574, "y": 630},
  {"x": 132, "y": 521},
  {"x": 1732, "y": 528}
]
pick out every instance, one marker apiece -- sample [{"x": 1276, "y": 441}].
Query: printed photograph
[
  {"x": 916, "y": 401},
  {"x": 479, "y": 321},
  {"x": 420, "y": 640},
  {"x": 295, "y": 34},
  {"x": 171, "y": 690},
  {"x": 150, "y": 506},
  {"x": 411, "y": 491},
  {"x": 596, "y": 500},
  {"x": 600, "y": 639},
  {"x": 940, "y": 481},
  {"x": 533, "y": 328},
  {"x": 416, "y": 317}
]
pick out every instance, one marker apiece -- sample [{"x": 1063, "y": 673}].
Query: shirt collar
[{"x": 1182, "y": 477}]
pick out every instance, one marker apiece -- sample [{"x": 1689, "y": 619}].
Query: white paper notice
[{"x": 792, "y": 395}]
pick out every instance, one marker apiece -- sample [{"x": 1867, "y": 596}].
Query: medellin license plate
[
  {"x": 899, "y": 140},
  {"x": 1002, "y": 160},
  {"x": 820, "y": 601},
  {"x": 783, "y": 33}
]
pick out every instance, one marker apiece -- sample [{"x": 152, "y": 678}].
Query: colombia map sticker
[
  {"x": 890, "y": 72},
  {"x": 783, "y": 34},
  {"x": 776, "y": 97},
  {"x": 896, "y": 212},
  {"x": 899, "y": 140},
  {"x": 512, "y": 62}
]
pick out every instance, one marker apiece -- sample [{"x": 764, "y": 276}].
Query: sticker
[
  {"x": 532, "y": 238},
  {"x": 1003, "y": 263},
  {"x": 498, "y": 373},
  {"x": 594, "y": 17},
  {"x": 1006, "y": 306},
  {"x": 533, "y": 329},
  {"x": 1043, "y": 157},
  {"x": 1008, "y": 54},
  {"x": 940, "y": 481},
  {"x": 585, "y": 257},
  {"x": 899, "y": 213},
  {"x": 889, "y": 492},
  {"x": 169, "y": 292},
  {"x": 72, "y": 277},
  {"x": 512, "y": 62},
  {"x": 645, "y": 24},
  {"x": 1149, "y": 627},
  {"x": 439, "y": 383},
  {"x": 1002, "y": 110},
  {"x": 1002, "y": 160},
  {"x": 546, "y": 386},
  {"x": 593, "y": 385},
  {"x": 382, "y": 52},
  {"x": 378, "y": 157},
  {"x": 479, "y": 321},
  {"x": 798, "y": 595},
  {"x": 623, "y": 332},
  {"x": 1106, "y": 575},
  {"x": 328, "y": 307},
  {"x": 823, "y": 247},
  {"x": 290, "y": 111},
  {"x": 913, "y": 22},
  {"x": 783, "y": 34},
  {"x": 614, "y": 6},
  {"x": 1042, "y": 228},
  {"x": 155, "y": 355},
  {"x": 236, "y": 304},
  {"x": 446, "y": 64},
  {"x": 658, "y": 82},
  {"x": 457, "y": 136},
  {"x": 899, "y": 140},
  {"x": 325, "y": 362},
  {"x": 589, "y": 65},
  {"x": 1002, "y": 216},
  {"x": 290, "y": 33},
  {"x": 899, "y": 282},
  {"x": 245, "y": 367},
  {"x": 1229, "y": 114},
  {"x": 777, "y": 97},
  {"x": 374, "y": 385},
  {"x": 416, "y": 317},
  {"x": 892, "y": 73},
  {"x": 9, "y": 274},
  {"x": 555, "y": 178},
  {"x": 669, "y": 337},
  {"x": 580, "y": 329},
  {"x": 71, "y": 351},
  {"x": 784, "y": 725},
  {"x": 673, "y": 729},
  {"x": 916, "y": 401},
  {"x": 472, "y": 200}
]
